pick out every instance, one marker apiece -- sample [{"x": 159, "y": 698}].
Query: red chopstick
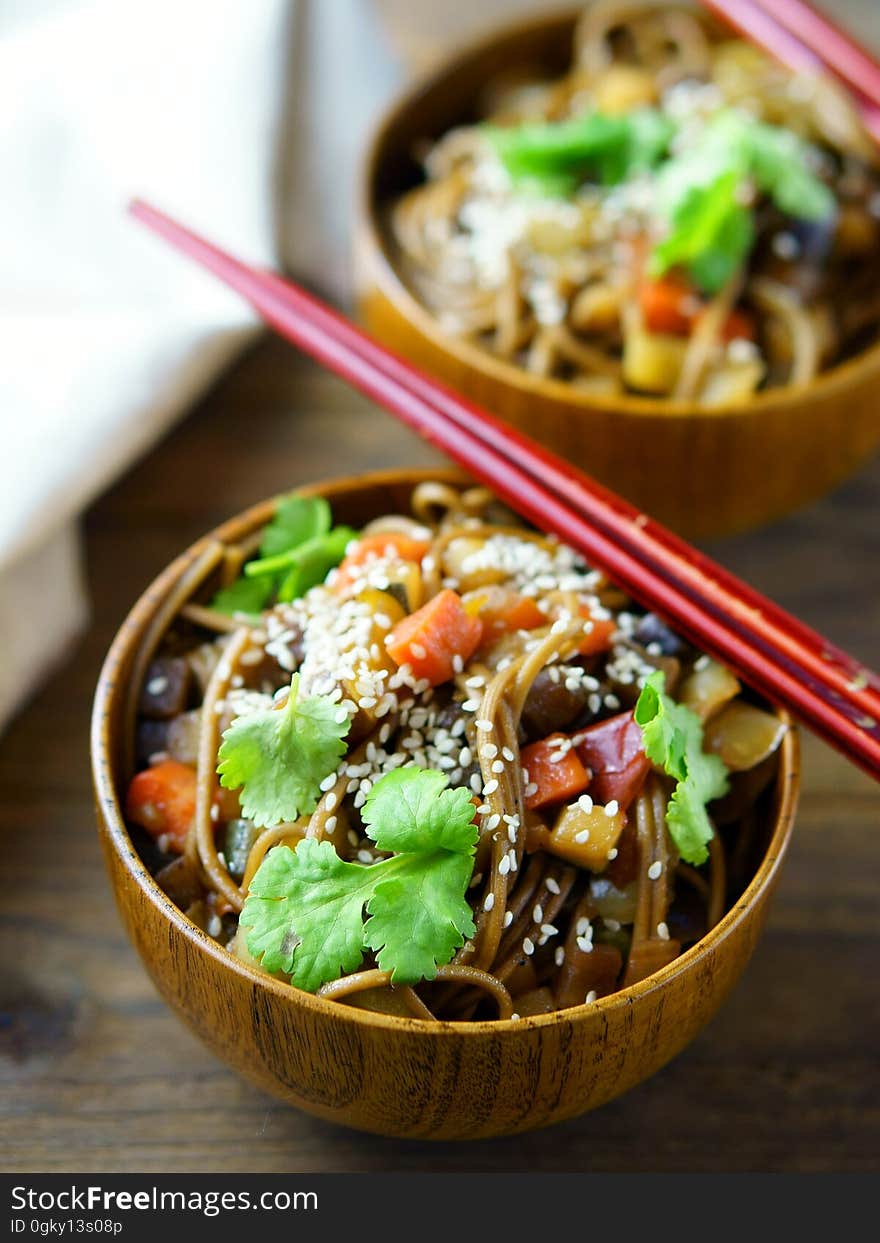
[
  {"x": 772, "y": 651},
  {"x": 807, "y": 42}
]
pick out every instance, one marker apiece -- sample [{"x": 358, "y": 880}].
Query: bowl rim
[
  {"x": 111, "y": 823},
  {"x": 372, "y": 238}
]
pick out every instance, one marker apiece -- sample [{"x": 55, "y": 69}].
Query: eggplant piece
[
  {"x": 166, "y": 688},
  {"x": 550, "y": 706},
  {"x": 151, "y": 738},
  {"x": 653, "y": 630},
  {"x": 181, "y": 881}
]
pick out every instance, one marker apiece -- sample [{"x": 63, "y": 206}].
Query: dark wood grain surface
[{"x": 95, "y": 1072}]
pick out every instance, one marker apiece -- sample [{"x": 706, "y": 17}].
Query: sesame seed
[
  {"x": 582, "y": 836},
  {"x": 476, "y": 783},
  {"x": 585, "y": 946},
  {"x": 157, "y": 685},
  {"x": 612, "y": 853},
  {"x": 663, "y": 931},
  {"x": 488, "y": 901},
  {"x": 528, "y": 947},
  {"x": 493, "y": 821},
  {"x": 612, "y": 808},
  {"x": 498, "y": 766},
  {"x": 328, "y": 783},
  {"x": 585, "y": 803},
  {"x": 330, "y": 801},
  {"x": 483, "y": 724},
  {"x": 592, "y": 996},
  {"x": 465, "y": 758},
  {"x": 215, "y": 812},
  {"x": 559, "y": 956},
  {"x": 549, "y": 930},
  {"x": 340, "y": 717},
  {"x": 457, "y": 663},
  {"x": 330, "y": 823},
  {"x": 508, "y": 754},
  {"x": 530, "y": 788},
  {"x": 701, "y": 663},
  {"x": 490, "y": 787},
  {"x": 583, "y": 925},
  {"x": 613, "y": 925},
  {"x": 504, "y": 866},
  {"x": 489, "y": 750},
  {"x": 514, "y": 1016},
  {"x": 470, "y": 705},
  {"x": 364, "y": 856},
  {"x": 508, "y": 918},
  {"x": 538, "y": 914},
  {"x": 552, "y": 885},
  {"x": 654, "y": 870}
]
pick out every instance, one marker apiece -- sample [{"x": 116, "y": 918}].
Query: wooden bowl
[
  {"x": 704, "y": 473},
  {"x": 398, "y": 1076}
]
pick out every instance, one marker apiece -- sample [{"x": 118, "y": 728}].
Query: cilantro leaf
[
  {"x": 297, "y": 550},
  {"x": 673, "y": 740},
  {"x": 561, "y": 153},
  {"x": 297, "y": 519},
  {"x": 407, "y": 812},
  {"x": 419, "y": 917},
  {"x": 710, "y": 233},
  {"x": 315, "y": 890},
  {"x": 245, "y": 595},
  {"x": 305, "y": 908},
  {"x": 778, "y": 162},
  {"x": 700, "y": 192},
  {"x": 280, "y": 757}
]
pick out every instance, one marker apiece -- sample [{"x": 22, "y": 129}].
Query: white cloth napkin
[{"x": 106, "y": 335}]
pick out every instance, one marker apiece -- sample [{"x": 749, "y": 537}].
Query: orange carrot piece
[
  {"x": 430, "y": 639},
  {"x": 672, "y": 306},
  {"x": 503, "y": 611},
  {"x": 598, "y": 639},
  {"x": 162, "y": 800},
  {"x": 558, "y": 775},
  {"x": 383, "y": 543}
]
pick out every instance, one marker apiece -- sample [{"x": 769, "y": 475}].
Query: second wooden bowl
[
  {"x": 398, "y": 1076},
  {"x": 704, "y": 473}
]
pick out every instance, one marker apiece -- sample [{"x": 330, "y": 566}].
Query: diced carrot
[
  {"x": 430, "y": 639},
  {"x": 615, "y": 753},
  {"x": 555, "y": 770},
  {"x": 383, "y": 543},
  {"x": 598, "y": 638},
  {"x": 668, "y": 306},
  {"x": 671, "y": 305},
  {"x": 162, "y": 800},
  {"x": 503, "y": 611}
]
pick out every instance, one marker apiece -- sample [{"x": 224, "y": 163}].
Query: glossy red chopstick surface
[
  {"x": 772, "y": 651},
  {"x": 807, "y": 42}
]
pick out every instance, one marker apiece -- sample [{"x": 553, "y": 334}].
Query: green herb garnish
[
  {"x": 280, "y": 757},
  {"x": 298, "y": 549},
  {"x": 305, "y": 908},
  {"x": 558, "y": 155},
  {"x": 703, "y": 195},
  {"x": 673, "y": 740}
]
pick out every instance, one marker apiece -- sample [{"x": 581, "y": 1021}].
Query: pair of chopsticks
[
  {"x": 808, "y": 42},
  {"x": 772, "y": 651}
]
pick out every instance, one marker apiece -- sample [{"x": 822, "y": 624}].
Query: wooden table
[{"x": 96, "y": 1074}]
